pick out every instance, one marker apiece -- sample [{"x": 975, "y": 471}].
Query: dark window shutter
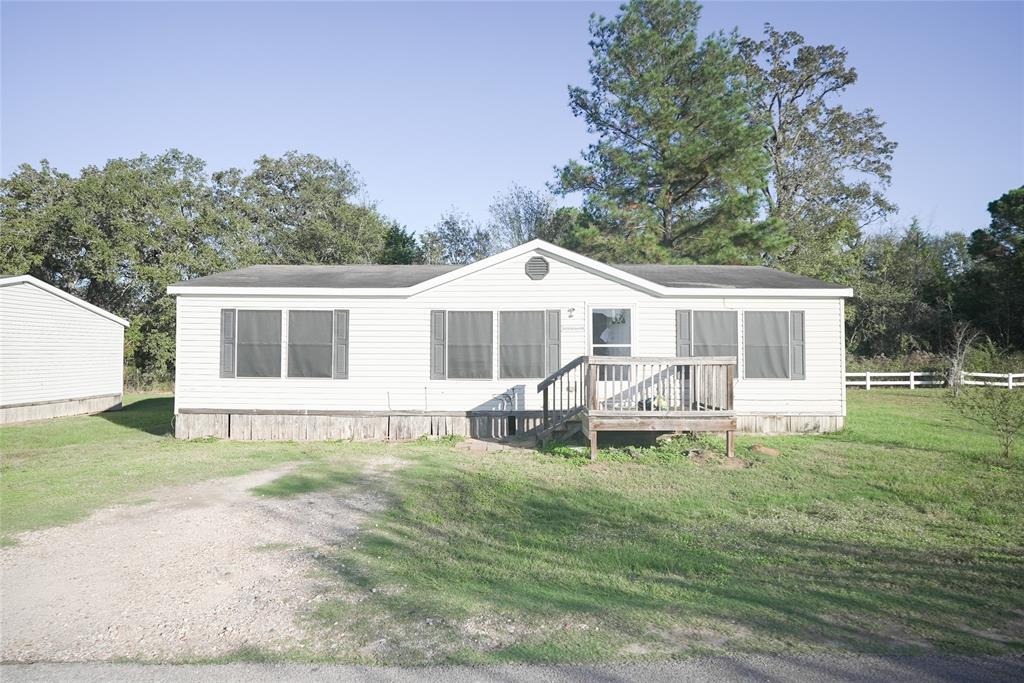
[
  {"x": 341, "y": 345},
  {"x": 683, "y": 334},
  {"x": 796, "y": 347},
  {"x": 437, "y": 345},
  {"x": 227, "y": 342},
  {"x": 553, "y": 341}
]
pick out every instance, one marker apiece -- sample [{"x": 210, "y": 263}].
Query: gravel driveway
[{"x": 201, "y": 571}]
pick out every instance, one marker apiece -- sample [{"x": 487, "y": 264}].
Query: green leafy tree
[
  {"x": 520, "y": 215},
  {"x": 116, "y": 236},
  {"x": 679, "y": 159},
  {"x": 829, "y": 167},
  {"x": 456, "y": 238},
  {"x": 119, "y": 234},
  {"x": 904, "y": 294},
  {"x": 400, "y": 247},
  {"x": 993, "y": 293},
  {"x": 301, "y": 208}
]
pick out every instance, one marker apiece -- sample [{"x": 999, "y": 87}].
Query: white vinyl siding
[
  {"x": 389, "y": 353},
  {"x": 52, "y": 349}
]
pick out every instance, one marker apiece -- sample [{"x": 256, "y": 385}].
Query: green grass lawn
[
  {"x": 902, "y": 533},
  {"x": 57, "y": 471}
]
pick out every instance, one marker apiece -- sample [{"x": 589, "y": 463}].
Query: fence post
[
  {"x": 911, "y": 379},
  {"x": 867, "y": 381},
  {"x": 1009, "y": 380}
]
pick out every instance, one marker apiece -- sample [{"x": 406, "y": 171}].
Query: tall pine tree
[{"x": 676, "y": 171}]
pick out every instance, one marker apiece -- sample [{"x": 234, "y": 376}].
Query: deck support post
[
  {"x": 547, "y": 418},
  {"x": 730, "y": 444},
  {"x": 593, "y": 444}
]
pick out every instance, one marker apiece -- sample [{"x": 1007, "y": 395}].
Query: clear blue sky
[{"x": 440, "y": 105}]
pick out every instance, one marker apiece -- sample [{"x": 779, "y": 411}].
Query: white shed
[
  {"x": 59, "y": 355},
  {"x": 534, "y": 338}
]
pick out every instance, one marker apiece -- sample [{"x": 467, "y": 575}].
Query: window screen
[
  {"x": 310, "y": 343},
  {"x": 259, "y": 344},
  {"x": 714, "y": 333},
  {"x": 521, "y": 343},
  {"x": 766, "y": 344},
  {"x": 470, "y": 345}
]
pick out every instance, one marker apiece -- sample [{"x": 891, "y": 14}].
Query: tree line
[{"x": 723, "y": 149}]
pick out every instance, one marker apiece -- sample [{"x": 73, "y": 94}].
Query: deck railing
[{"x": 639, "y": 385}]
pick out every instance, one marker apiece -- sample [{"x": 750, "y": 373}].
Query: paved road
[{"x": 855, "y": 669}]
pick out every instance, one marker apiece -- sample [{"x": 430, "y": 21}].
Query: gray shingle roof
[
  {"x": 724, "y": 277},
  {"x": 376, "y": 276},
  {"x": 361, "y": 275}
]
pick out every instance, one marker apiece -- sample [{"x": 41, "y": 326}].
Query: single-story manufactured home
[
  {"x": 59, "y": 355},
  {"x": 534, "y": 339}
]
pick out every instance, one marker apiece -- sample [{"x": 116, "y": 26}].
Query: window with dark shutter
[
  {"x": 470, "y": 345},
  {"x": 796, "y": 323},
  {"x": 554, "y": 342},
  {"x": 310, "y": 343},
  {"x": 438, "y": 329},
  {"x": 522, "y": 344},
  {"x": 227, "y": 342},
  {"x": 341, "y": 345},
  {"x": 714, "y": 333},
  {"x": 766, "y": 344},
  {"x": 258, "y": 340},
  {"x": 683, "y": 340}
]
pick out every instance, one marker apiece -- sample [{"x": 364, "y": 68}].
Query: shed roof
[{"x": 11, "y": 280}]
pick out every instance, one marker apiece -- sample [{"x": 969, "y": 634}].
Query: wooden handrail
[{"x": 551, "y": 379}]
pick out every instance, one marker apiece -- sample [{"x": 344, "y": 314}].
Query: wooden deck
[{"x": 627, "y": 394}]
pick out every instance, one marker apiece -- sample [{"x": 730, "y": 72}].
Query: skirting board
[
  {"x": 262, "y": 426},
  {"x": 789, "y": 424},
  {"x": 395, "y": 427},
  {"x": 44, "y": 410}
]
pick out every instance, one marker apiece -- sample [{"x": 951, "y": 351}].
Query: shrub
[{"x": 998, "y": 409}]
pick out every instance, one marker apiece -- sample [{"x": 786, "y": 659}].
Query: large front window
[
  {"x": 521, "y": 344},
  {"x": 259, "y": 344},
  {"x": 470, "y": 345},
  {"x": 310, "y": 343},
  {"x": 714, "y": 333},
  {"x": 766, "y": 344}
]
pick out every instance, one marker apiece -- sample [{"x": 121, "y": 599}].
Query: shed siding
[
  {"x": 389, "y": 352},
  {"x": 52, "y": 349}
]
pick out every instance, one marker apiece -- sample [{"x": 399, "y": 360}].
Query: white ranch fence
[{"x": 917, "y": 380}]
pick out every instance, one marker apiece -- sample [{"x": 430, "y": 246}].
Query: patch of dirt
[
  {"x": 761, "y": 449},
  {"x": 201, "y": 571}
]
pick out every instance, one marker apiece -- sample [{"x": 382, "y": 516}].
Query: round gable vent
[{"x": 536, "y": 268}]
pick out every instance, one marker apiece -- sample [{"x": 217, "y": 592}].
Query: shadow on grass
[
  {"x": 466, "y": 544},
  {"x": 150, "y": 415},
  {"x": 309, "y": 479}
]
